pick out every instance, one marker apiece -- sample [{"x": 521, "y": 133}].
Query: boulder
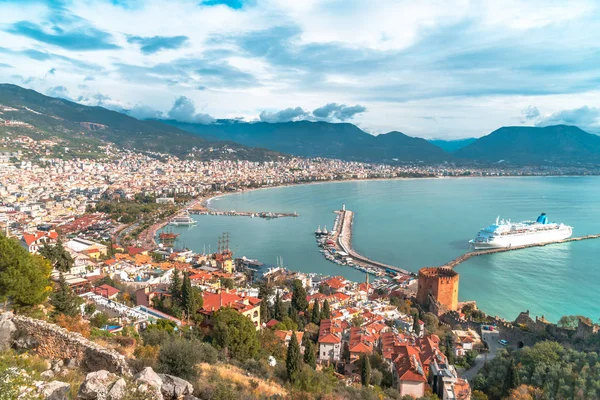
[
  {"x": 96, "y": 385},
  {"x": 25, "y": 342},
  {"x": 49, "y": 374},
  {"x": 54, "y": 390},
  {"x": 150, "y": 382},
  {"x": 118, "y": 389},
  {"x": 7, "y": 331},
  {"x": 174, "y": 387}
]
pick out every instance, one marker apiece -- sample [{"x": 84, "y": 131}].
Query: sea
[{"x": 414, "y": 223}]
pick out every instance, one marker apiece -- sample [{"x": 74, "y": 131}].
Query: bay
[{"x": 427, "y": 222}]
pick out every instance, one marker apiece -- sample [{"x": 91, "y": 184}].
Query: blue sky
[{"x": 444, "y": 69}]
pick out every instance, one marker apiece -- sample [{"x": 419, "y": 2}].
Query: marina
[{"x": 233, "y": 213}]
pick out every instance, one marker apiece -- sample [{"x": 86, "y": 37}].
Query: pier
[
  {"x": 459, "y": 260},
  {"x": 343, "y": 240},
  {"x": 232, "y": 213}
]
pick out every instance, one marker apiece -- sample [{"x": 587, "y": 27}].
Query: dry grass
[{"x": 256, "y": 386}]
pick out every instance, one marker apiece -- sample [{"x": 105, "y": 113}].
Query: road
[{"x": 491, "y": 338}]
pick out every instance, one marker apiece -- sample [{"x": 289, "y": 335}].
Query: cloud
[
  {"x": 339, "y": 112},
  {"x": 287, "y": 115},
  {"x": 530, "y": 113},
  {"x": 81, "y": 38},
  {"x": 46, "y": 56},
  {"x": 59, "y": 91},
  {"x": 151, "y": 45},
  {"x": 144, "y": 112},
  {"x": 52, "y": 71},
  {"x": 184, "y": 110},
  {"x": 3, "y": 65},
  {"x": 587, "y": 118}
]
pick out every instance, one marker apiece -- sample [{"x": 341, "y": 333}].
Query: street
[{"x": 491, "y": 338}]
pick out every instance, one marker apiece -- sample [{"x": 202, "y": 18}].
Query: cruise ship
[
  {"x": 505, "y": 234},
  {"x": 183, "y": 219}
]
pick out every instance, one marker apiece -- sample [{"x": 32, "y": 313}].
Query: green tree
[
  {"x": 299, "y": 301},
  {"x": 236, "y": 334},
  {"x": 431, "y": 322},
  {"x": 179, "y": 357},
  {"x": 227, "y": 283},
  {"x": 188, "y": 300},
  {"x": 265, "y": 291},
  {"x": 279, "y": 308},
  {"x": 316, "y": 313},
  {"x": 64, "y": 300},
  {"x": 365, "y": 370},
  {"x": 293, "y": 360},
  {"x": 512, "y": 380},
  {"x": 449, "y": 347},
  {"x": 358, "y": 321},
  {"x": 175, "y": 287},
  {"x": 24, "y": 278},
  {"x": 99, "y": 320},
  {"x": 309, "y": 353},
  {"x": 416, "y": 325},
  {"x": 568, "y": 321},
  {"x": 325, "y": 311},
  {"x": 59, "y": 256}
]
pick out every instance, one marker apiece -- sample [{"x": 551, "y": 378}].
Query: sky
[{"x": 435, "y": 69}]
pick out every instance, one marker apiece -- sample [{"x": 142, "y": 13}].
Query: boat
[
  {"x": 505, "y": 234},
  {"x": 318, "y": 231},
  {"x": 183, "y": 219}
]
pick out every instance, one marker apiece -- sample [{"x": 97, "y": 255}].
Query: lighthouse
[{"x": 343, "y": 207}]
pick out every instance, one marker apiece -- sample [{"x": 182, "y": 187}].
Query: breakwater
[
  {"x": 458, "y": 260},
  {"x": 251, "y": 214}
]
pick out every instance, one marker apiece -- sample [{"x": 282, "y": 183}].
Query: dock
[
  {"x": 251, "y": 214},
  {"x": 459, "y": 260},
  {"x": 343, "y": 240}
]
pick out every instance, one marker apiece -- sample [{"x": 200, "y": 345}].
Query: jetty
[
  {"x": 459, "y": 260},
  {"x": 343, "y": 239},
  {"x": 251, "y": 214}
]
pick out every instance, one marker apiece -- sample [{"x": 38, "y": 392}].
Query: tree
[
  {"x": 365, "y": 370},
  {"x": 525, "y": 392},
  {"x": 265, "y": 291},
  {"x": 175, "y": 287},
  {"x": 64, "y": 300},
  {"x": 227, "y": 283},
  {"x": 568, "y": 321},
  {"x": 59, "y": 257},
  {"x": 431, "y": 322},
  {"x": 279, "y": 308},
  {"x": 236, "y": 334},
  {"x": 24, "y": 278},
  {"x": 478, "y": 395},
  {"x": 309, "y": 353},
  {"x": 512, "y": 380},
  {"x": 299, "y": 301},
  {"x": 293, "y": 360},
  {"x": 179, "y": 357},
  {"x": 358, "y": 321},
  {"x": 449, "y": 347},
  {"x": 188, "y": 301},
  {"x": 416, "y": 325},
  {"x": 99, "y": 320},
  {"x": 316, "y": 313},
  {"x": 325, "y": 311}
]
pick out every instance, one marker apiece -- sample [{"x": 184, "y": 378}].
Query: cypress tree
[
  {"x": 175, "y": 287},
  {"x": 187, "y": 296},
  {"x": 316, "y": 313},
  {"x": 64, "y": 300},
  {"x": 309, "y": 354},
  {"x": 279, "y": 308},
  {"x": 293, "y": 360},
  {"x": 512, "y": 379},
  {"x": 299, "y": 301},
  {"x": 416, "y": 325},
  {"x": 325, "y": 311},
  {"x": 365, "y": 371}
]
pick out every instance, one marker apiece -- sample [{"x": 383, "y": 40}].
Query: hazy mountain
[
  {"x": 322, "y": 139},
  {"x": 452, "y": 145},
  {"x": 83, "y": 128},
  {"x": 551, "y": 145}
]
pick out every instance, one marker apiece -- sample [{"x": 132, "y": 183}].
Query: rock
[
  {"x": 149, "y": 377},
  {"x": 71, "y": 363},
  {"x": 7, "y": 331},
  {"x": 57, "y": 365},
  {"x": 47, "y": 374},
  {"x": 96, "y": 385},
  {"x": 54, "y": 390},
  {"x": 117, "y": 391},
  {"x": 25, "y": 342},
  {"x": 190, "y": 397},
  {"x": 174, "y": 387}
]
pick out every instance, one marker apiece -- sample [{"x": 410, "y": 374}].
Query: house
[
  {"x": 34, "y": 241},
  {"x": 246, "y": 305},
  {"x": 146, "y": 295},
  {"x": 444, "y": 381},
  {"x": 409, "y": 375},
  {"x": 360, "y": 343},
  {"x": 106, "y": 291},
  {"x": 464, "y": 341},
  {"x": 286, "y": 337},
  {"x": 92, "y": 249},
  {"x": 330, "y": 341}
]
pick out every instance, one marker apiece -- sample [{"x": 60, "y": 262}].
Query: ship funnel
[{"x": 542, "y": 219}]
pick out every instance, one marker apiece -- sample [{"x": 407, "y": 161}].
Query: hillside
[
  {"x": 551, "y": 145},
  {"x": 83, "y": 128},
  {"x": 452, "y": 145},
  {"x": 322, "y": 139}
]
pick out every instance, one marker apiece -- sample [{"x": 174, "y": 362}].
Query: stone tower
[{"x": 440, "y": 285}]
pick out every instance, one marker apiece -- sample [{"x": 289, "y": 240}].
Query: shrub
[
  {"x": 179, "y": 357},
  {"x": 99, "y": 320}
]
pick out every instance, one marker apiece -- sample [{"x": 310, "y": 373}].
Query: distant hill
[
  {"x": 322, "y": 139},
  {"x": 452, "y": 145},
  {"x": 551, "y": 145},
  {"x": 84, "y": 128}
]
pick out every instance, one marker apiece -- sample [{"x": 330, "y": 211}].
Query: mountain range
[{"x": 85, "y": 129}]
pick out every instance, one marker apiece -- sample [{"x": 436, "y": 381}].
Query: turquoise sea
[{"x": 427, "y": 222}]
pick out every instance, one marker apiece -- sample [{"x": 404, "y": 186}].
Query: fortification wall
[
  {"x": 55, "y": 343},
  {"x": 441, "y": 284}
]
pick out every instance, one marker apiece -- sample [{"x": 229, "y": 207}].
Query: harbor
[{"x": 251, "y": 214}]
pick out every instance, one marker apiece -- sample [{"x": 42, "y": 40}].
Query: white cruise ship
[
  {"x": 504, "y": 234},
  {"x": 183, "y": 219}
]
